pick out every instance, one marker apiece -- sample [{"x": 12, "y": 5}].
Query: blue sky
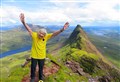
[{"x": 57, "y": 12}]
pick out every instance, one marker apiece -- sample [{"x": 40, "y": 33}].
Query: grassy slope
[
  {"x": 67, "y": 53},
  {"x": 10, "y": 67},
  {"x": 14, "y": 39},
  {"x": 12, "y": 72},
  {"x": 66, "y": 74},
  {"x": 89, "y": 47},
  {"x": 112, "y": 46},
  {"x": 16, "y": 73}
]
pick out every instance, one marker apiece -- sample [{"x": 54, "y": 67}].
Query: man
[{"x": 38, "y": 50}]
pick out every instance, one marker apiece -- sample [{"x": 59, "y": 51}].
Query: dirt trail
[{"x": 46, "y": 71}]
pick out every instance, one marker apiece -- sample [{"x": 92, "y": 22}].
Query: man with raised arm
[{"x": 38, "y": 49}]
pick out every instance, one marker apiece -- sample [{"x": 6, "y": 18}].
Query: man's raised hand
[
  {"x": 66, "y": 25},
  {"x": 22, "y": 17}
]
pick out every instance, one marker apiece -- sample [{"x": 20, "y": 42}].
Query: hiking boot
[
  {"x": 40, "y": 80},
  {"x": 32, "y": 80}
]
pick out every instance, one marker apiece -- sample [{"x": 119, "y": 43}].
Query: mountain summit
[
  {"x": 79, "y": 39},
  {"x": 75, "y": 38}
]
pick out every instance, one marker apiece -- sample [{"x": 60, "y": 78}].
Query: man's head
[{"x": 41, "y": 33}]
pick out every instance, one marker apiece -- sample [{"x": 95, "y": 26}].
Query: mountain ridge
[{"x": 85, "y": 50}]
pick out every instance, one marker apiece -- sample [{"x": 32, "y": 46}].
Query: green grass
[
  {"x": 16, "y": 75},
  {"x": 76, "y": 53},
  {"x": 65, "y": 74},
  {"x": 10, "y": 67}
]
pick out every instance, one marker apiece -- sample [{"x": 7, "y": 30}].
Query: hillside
[
  {"x": 108, "y": 42},
  {"x": 78, "y": 60}
]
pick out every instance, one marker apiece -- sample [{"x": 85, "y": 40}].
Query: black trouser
[{"x": 33, "y": 67}]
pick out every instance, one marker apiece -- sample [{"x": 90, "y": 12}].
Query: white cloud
[
  {"x": 80, "y": 11},
  {"x": 11, "y": 14},
  {"x": 47, "y": 16},
  {"x": 103, "y": 10},
  {"x": 93, "y": 10}
]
